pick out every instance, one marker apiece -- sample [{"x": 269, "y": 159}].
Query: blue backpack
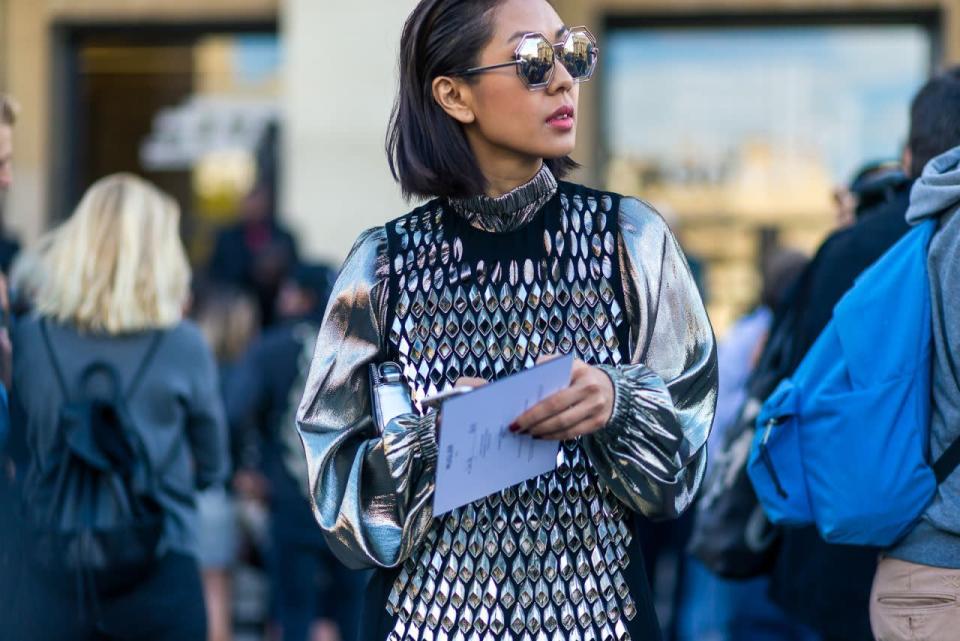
[{"x": 843, "y": 443}]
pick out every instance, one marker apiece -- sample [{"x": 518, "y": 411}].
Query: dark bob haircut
[{"x": 428, "y": 151}]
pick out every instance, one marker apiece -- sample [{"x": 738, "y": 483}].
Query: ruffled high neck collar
[{"x": 512, "y": 210}]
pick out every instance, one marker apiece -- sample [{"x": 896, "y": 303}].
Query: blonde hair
[
  {"x": 229, "y": 319},
  {"x": 117, "y": 264}
]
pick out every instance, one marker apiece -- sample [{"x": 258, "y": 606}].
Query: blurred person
[
  {"x": 874, "y": 184},
  {"x": 916, "y": 590},
  {"x": 8, "y": 248},
  {"x": 24, "y": 279},
  {"x": 505, "y": 265},
  {"x": 10, "y": 531},
  {"x": 738, "y": 352},
  {"x": 8, "y": 118},
  {"x": 824, "y": 586},
  {"x": 714, "y": 608},
  {"x": 6, "y": 362},
  {"x": 229, "y": 321},
  {"x": 108, "y": 371},
  {"x": 878, "y": 184},
  {"x": 314, "y": 595},
  {"x": 256, "y": 253}
]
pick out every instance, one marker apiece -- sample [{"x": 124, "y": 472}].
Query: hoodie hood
[{"x": 937, "y": 191}]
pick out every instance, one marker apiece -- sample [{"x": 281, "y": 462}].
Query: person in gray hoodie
[{"x": 916, "y": 590}]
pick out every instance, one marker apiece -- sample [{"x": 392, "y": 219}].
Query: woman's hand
[
  {"x": 468, "y": 381},
  {"x": 583, "y": 408}
]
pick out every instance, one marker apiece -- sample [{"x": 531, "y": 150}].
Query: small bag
[{"x": 389, "y": 394}]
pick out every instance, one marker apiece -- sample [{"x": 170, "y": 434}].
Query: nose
[{"x": 562, "y": 81}]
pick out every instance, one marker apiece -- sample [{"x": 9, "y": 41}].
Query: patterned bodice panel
[
  {"x": 544, "y": 559},
  {"x": 463, "y": 304}
]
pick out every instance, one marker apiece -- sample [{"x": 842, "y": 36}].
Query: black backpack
[{"x": 94, "y": 509}]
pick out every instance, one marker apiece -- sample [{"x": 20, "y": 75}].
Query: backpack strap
[
  {"x": 61, "y": 380},
  {"x": 137, "y": 378},
  {"x": 145, "y": 363},
  {"x": 948, "y": 462}
]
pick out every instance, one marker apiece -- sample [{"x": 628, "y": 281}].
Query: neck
[
  {"x": 503, "y": 170},
  {"x": 503, "y": 180}
]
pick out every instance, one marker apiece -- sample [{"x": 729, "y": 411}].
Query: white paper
[{"x": 479, "y": 455}]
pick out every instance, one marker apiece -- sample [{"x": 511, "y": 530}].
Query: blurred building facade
[
  {"x": 332, "y": 82},
  {"x": 100, "y": 82}
]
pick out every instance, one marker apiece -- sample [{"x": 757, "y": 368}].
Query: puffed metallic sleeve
[
  {"x": 652, "y": 453},
  {"x": 372, "y": 494}
]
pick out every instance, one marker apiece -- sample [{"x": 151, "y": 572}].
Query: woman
[
  {"x": 229, "y": 321},
  {"x": 112, "y": 287},
  {"x": 503, "y": 267}
]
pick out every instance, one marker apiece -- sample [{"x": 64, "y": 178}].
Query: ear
[
  {"x": 454, "y": 97},
  {"x": 906, "y": 162}
]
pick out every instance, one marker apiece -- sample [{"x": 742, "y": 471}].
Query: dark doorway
[{"x": 111, "y": 82}]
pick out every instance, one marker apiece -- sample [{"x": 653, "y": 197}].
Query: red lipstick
[{"x": 562, "y": 119}]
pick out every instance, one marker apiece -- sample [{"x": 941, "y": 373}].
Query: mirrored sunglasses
[{"x": 535, "y": 58}]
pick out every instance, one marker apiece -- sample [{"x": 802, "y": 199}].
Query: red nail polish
[{"x": 514, "y": 427}]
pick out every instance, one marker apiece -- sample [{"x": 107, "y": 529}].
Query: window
[{"x": 731, "y": 130}]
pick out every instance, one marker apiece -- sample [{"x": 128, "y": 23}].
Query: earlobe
[
  {"x": 453, "y": 96},
  {"x": 906, "y": 162}
]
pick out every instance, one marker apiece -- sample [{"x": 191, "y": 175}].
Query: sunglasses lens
[
  {"x": 535, "y": 56},
  {"x": 580, "y": 54}
]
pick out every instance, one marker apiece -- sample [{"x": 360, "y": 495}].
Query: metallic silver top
[
  {"x": 513, "y": 209},
  {"x": 373, "y": 493}
]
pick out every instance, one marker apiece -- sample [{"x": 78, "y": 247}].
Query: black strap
[
  {"x": 137, "y": 377},
  {"x": 145, "y": 363},
  {"x": 53, "y": 359},
  {"x": 948, "y": 462}
]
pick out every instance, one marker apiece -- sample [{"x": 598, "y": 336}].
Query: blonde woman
[{"x": 111, "y": 288}]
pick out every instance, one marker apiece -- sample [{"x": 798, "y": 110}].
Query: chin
[
  {"x": 559, "y": 148},
  {"x": 557, "y": 151}
]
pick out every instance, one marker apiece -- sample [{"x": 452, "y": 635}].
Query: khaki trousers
[{"x": 912, "y": 602}]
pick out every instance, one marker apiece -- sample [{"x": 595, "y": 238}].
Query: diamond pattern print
[{"x": 544, "y": 559}]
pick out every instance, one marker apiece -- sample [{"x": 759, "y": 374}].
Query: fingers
[
  {"x": 551, "y": 406},
  {"x": 557, "y": 403},
  {"x": 586, "y": 417},
  {"x": 582, "y": 408},
  {"x": 558, "y": 425},
  {"x": 470, "y": 381}
]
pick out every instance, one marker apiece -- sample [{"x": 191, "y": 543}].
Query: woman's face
[{"x": 507, "y": 117}]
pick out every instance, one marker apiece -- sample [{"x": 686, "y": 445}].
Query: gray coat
[
  {"x": 936, "y": 539},
  {"x": 177, "y": 407}
]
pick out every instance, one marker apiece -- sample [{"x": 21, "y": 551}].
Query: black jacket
[
  {"x": 261, "y": 400},
  {"x": 828, "y": 586}
]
